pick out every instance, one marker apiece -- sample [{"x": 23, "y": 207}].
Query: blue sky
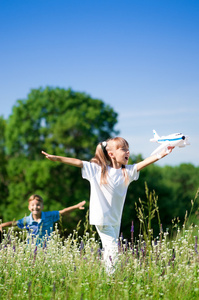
[{"x": 140, "y": 57}]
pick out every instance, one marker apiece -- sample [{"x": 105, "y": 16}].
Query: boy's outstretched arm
[
  {"x": 7, "y": 224},
  {"x": 80, "y": 205},
  {"x": 151, "y": 159},
  {"x": 66, "y": 160}
]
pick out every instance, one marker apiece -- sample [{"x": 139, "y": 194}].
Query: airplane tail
[{"x": 155, "y": 136}]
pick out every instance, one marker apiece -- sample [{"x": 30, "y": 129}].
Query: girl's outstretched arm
[
  {"x": 66, "y": 160},
  {"x": 151, "y": 159},
  {"x": 80, "y": 205}
]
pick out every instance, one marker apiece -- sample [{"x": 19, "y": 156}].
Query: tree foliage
[
  {"x": 3, "y": 168},
  {"x": 58, "y": 120}
]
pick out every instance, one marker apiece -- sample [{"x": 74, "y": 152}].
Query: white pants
[{"x": 109, "y": 236}]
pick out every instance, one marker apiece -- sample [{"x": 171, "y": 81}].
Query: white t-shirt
[{"x": 107, "y": 200}]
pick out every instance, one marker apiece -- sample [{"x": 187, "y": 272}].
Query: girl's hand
[
  {"x": 49, "y": 156},
  {"x": 81, "y": 205},
  {"x": 166, "y": 151}
]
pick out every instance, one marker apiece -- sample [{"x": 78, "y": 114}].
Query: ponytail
[{"x": 102, "y": 159}]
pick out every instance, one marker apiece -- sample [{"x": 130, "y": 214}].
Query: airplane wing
[{"x": 164, "y": 145}]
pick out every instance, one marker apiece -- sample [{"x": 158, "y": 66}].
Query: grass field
[
  {"x": 165, "y": 267},
  {"x": 73, "y": 268}
]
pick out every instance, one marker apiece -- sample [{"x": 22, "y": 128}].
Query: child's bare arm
[
  {"x": 66, "y": 160},
  {"x": 7, "y": 224},
  {"x": 80, "y": 205},
  {"x": 151, "y": 159}
]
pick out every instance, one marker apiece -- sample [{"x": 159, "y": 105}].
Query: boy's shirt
[{"x": 41, "y": 228}]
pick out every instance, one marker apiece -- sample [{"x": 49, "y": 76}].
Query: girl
[{"x": 109, "y": 177}]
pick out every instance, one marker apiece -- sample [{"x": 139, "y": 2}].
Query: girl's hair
[
  {"x": 102, "y": 158},
  {"x": 35, "y": 197}
]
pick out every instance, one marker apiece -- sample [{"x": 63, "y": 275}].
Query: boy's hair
[
  {"x": 102, "y": 158},
  {"x": 35, "y": 197}
]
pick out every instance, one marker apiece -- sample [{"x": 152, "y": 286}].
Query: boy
[{"x": 38, "y": 222}]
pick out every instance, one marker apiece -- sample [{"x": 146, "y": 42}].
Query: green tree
[
  {"x": 3, "y": 169},
  {"x": 62, "y": 122},
  {"x": 183, "y": 180}
]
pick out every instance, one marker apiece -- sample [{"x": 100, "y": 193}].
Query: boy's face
[{"x": 35, "y": 207}]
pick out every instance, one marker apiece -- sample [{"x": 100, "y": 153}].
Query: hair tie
[{"x": 104, "y": 144}]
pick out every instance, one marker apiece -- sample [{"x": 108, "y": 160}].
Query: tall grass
[{"x": 72, "y": 268}]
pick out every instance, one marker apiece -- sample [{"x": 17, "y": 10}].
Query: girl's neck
[{"x": 115, "y": 165}]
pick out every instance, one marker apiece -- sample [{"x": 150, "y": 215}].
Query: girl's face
[
  {"x": 35, "y": 207},
  {"x": 119, "y": 155}
]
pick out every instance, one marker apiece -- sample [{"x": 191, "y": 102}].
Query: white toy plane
[{"x": 172, "y": 140}]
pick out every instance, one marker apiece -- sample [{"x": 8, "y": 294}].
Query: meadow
[{"x": 164, "y": 267}]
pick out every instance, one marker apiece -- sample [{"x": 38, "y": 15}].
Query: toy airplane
[{"x": 173, "y": 140}]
